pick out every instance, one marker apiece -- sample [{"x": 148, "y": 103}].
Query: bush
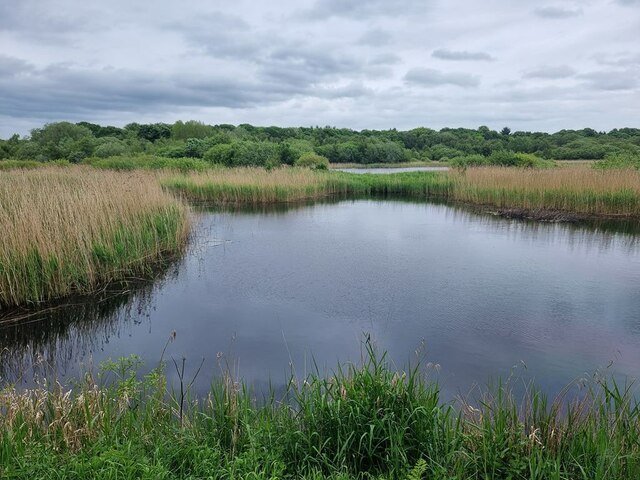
[
  {"x": 221, "y": 154},
  {"x": 313, "y": 161},
  {"x": 243, "y": 154},
  {"x": 619, "y": 160},
  {"x": 111, "y": 148},
  {"x": 442, "y": 152},
  {"x": 501, "y": 158},
  {"x": 463, "y": 161}
]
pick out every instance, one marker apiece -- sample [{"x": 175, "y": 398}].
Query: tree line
[{"x": 253, "y": 145}]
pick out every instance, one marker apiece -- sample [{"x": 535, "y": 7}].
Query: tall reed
[
  {"x": 570, "y": 189},
  {"x": 67, "y": 231},
  {"x": 573, "y": 190},
  {"x": 259, "y": 186}
]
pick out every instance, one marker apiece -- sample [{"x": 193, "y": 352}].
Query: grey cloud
[
  {"x": 249, "y": 61},
  {"x": 12, "y": 66},
  {"x": 611, "y": 80},
  {"x": 353, "y": 90},
  {"x": 427, "y": 77},
  {"x": 375, "y": 38},
  {"x": 384, "y": 59},
  {"x": 38, "y": 20},
  {"x": 220, "y": 35},
  {"x": 461, "y": 55},
  {"x": 60, "y": 92},
  {"x": 303, "y": 66},
  {"x": 551, "y": 72},
  {"x": 619, "y": 60},
  {"x": 553, "y": 12},
  {"x": 324, "y": 9}
]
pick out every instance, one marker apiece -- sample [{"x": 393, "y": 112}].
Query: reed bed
[
  {"x": 67, "y": 231},
  {"x": 570, "y": 189},
  {"x": 259, "y": 186},
  {"x": 248, "y": 185},
  {"x": 365, "y": 421}
]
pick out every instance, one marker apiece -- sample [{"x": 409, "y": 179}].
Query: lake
[{"x": 266, "y": 291}]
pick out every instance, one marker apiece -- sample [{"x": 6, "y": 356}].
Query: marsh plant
[
  {"x": 70, "y": 230},
  {"x": 362, "y": 421}
]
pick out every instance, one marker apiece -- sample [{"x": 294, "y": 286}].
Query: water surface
[{"x": 266, "y": 291}]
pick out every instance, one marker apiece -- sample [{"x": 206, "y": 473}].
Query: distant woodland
[{"x": 251, "y": 145}]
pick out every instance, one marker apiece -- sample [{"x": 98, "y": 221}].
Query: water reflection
[
  {"x": 52, "y": 342},
  {"x": 263, "y": 291}
]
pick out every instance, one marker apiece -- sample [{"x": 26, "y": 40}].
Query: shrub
[
  {"x": 111, "y": 148},
  {"x": 501, "y": 158},
  {"x": 221, "y": 154},
  {"x": 442, "y": 152},
  {"x": 619, "y": 160},
  {"x": 243, "y": 154},
  {"x": 463, "y": 161},
  {"x": 313, "y": 161}
]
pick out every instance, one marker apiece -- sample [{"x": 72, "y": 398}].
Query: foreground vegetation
[
  {"x": 69, "y": 230},
  {"x": 362, "y": 422}
]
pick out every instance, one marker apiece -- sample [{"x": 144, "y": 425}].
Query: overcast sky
[{"x": 529, "y": 65}]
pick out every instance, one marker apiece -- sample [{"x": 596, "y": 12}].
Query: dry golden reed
[
  {"x": 68, "y": 230},
  {"x": 575, "y": 189},
  {"x": 249, "y": 185}
]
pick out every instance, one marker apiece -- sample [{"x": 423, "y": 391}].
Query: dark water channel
[{"x": 265, "y": 291}]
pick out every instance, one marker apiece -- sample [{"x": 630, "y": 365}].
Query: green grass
[
  {"x": 365, "y": 421},
  {"x": 149, "y": 162},
  {"x": 30, "y": 164}
]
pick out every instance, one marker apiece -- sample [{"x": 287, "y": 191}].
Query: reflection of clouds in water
[
  {"x": 299, "y": 285},
  {"x": 593, "y": 235},
  {"x": 596, "y": 234}
]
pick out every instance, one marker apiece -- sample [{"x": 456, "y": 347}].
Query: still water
[{"x": 265, "y": 292}]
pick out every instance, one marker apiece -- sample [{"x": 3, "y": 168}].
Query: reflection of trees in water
[
  {"x": 49, "y": 342},
  {"x": 596, "y": 234},
  {"x": 52, "y": 341}
]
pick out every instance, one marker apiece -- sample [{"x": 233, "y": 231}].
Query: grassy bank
[
  {"x": 363, "y": 422},
  {"x": 70, "y": 230},
  {"x": 567, "y": 192},
  {"x": 259, "y": 186}
]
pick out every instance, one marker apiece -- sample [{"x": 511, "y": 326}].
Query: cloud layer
[{"x": 375, "y": 64}]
